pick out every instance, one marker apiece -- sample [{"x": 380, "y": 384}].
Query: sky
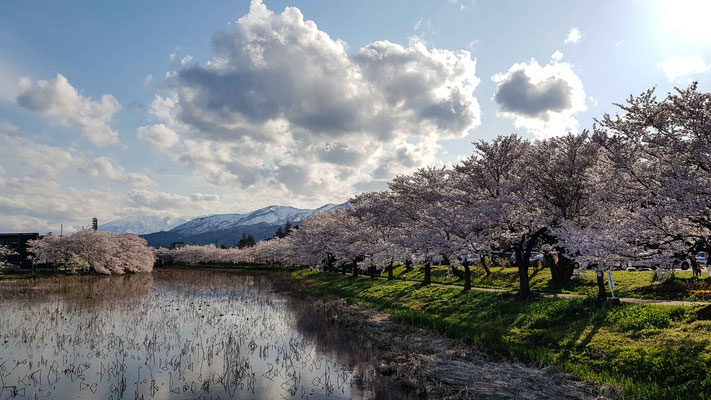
[{"x": 184, "y": 108}]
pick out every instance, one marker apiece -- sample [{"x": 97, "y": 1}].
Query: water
[{"x": 176, "y": 334}]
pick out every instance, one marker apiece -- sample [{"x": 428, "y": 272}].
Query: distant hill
[
  {"x": 227, "y": 229},
  {"x": 142, "y": 224}
]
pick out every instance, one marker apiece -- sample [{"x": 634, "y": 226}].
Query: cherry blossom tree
[
  {"x": 565, "y": 175},
  {"x": 419, "y": 200},
  {"x": 498, "y": 170},
  {"x": 102, "y": 252},
  {"x": 377, "y": 212},
  {"x": 5, "y": 254},
  {"x": 662, "y": 150}
]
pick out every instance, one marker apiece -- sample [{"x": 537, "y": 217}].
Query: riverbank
[
  {"x": 647, "y": 351},
  {"x": 651, "y": 352},
  {"x": 438, "y": 367}
]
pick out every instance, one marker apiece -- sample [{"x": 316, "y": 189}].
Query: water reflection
[{"x": 175, "y": 334}]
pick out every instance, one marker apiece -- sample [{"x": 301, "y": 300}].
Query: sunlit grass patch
[{"x": 652, "y": 352}]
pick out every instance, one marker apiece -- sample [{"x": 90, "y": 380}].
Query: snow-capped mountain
[
  {"x": 142, "y": 224},
  {"x": 272, "y": 215}
]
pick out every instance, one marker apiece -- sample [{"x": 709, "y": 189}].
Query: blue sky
[{"x": 112, "y": 109}]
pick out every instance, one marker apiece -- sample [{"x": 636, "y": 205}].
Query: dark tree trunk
[
  {"x": 601, "y": 291},
  {"x": 485, "y": 265},
  {"x": 695, "y": 270},
  {"x": 560, "y": 272},
  {"x": 428, "y": 274},
  {"x": 467, "y": 276},
  {"x": 390, "y": 271},
  {"x": 456, "y": 272},
  {"x": 522, "y": 262},
  {"x": 344, "y": 268},
  {"x": 371, "y": 271},
  {"x": 408, "y": 265},
  {"x": 355, "y": 268}
]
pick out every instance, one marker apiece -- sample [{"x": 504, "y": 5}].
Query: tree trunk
[
  {"x": 428, "y": 274},
  {"x": 694, "y": 266},
  {"x": 522, "y": 261},
  {"x": 467, "y": 276},
  {"x": 601, "y": 291},
  {"x": 355, "y": 268},
  {"x": 485, "y": 265},
  {"x": 560, "y": 272},
  {"x": 344, "y": 266},
  {"x": 456, "y": 272},
  {"x": 408, "y": 265},
  {"x": 329, "y": 263},
  {"x": 371, "y": 271},
  {"x": 390, "y": 271}
]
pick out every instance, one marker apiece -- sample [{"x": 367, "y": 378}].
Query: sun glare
[{"x": 688, "y": 20}]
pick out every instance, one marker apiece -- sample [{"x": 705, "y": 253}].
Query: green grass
[
  {"x": 651, "y": 352},
  {"x": 627, "y": 283},
  {"x": 27, "y": 274}
]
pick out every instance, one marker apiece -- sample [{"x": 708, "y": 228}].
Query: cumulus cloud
[
  {"x": 40, "y": 159},
  {"x": 102, "y": 167},
  {"x": 541, "y": 99},
  {"x": 557, "y": 55},
  {"x": 574, "y": 36},
  {"x": 7, "y": 128},
  {"x": 60, "y": 101},
  {"x": 684, "y": 66},
  {"x": 315, "y": 114},
  {"x": 159, "y": 136},
  {"x": 25, "y": 203},
  {"x": 166, "y": 201}
]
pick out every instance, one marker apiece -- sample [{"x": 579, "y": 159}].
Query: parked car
[
  {"x": 511, "y": 258},
  {"x": 682, "y": 262},
  {"x": 702, "y": 258}
]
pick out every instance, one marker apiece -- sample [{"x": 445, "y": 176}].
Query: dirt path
[
  {"x": 632, "y": 300},
  {"x": 437, "y": 367}
]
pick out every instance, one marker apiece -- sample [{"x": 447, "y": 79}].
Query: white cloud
[
  {"x": 574, "y": 36},
  {"x": 186, "y": 60},
  {"x": 557, "y": 55},
  {"x": 59, "y": 100},
  {"x": 40, "y": 159},
  {"x": 148, "y": 79},
  {"x": 541, "y": 99},
  {"x": 7, "y": 128},
  {"x": 679, "y": 67},
  {"x": 166, "y": 201},
  {"x": 159, "y": 136},
  {"x": 42, "y": 204},
  {"x": 282, "y": 104},
  {"x": 102, "y": 167}
]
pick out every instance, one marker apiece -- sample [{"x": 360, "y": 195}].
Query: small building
[
  {"x": 18, "y": 243},
  {"x": 177, "y": 245}
]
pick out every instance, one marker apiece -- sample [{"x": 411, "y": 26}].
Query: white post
[{"x": 611, "y": 282}]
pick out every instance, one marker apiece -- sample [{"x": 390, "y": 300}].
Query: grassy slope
[
  {"x": 507, "y": 278},
  {"x": 653, "y": 352}
]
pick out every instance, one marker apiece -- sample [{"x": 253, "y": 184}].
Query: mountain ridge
[
  {"x": 142, "y": 224},
  {"x": 227, "y": 229}
]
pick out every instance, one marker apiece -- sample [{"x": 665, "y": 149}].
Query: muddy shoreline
[{"x": 437, "y": 367}]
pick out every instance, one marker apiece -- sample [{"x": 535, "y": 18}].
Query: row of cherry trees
[
  {"x": 101, "y": 252},
  {"x": 638, "y": 186}
]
